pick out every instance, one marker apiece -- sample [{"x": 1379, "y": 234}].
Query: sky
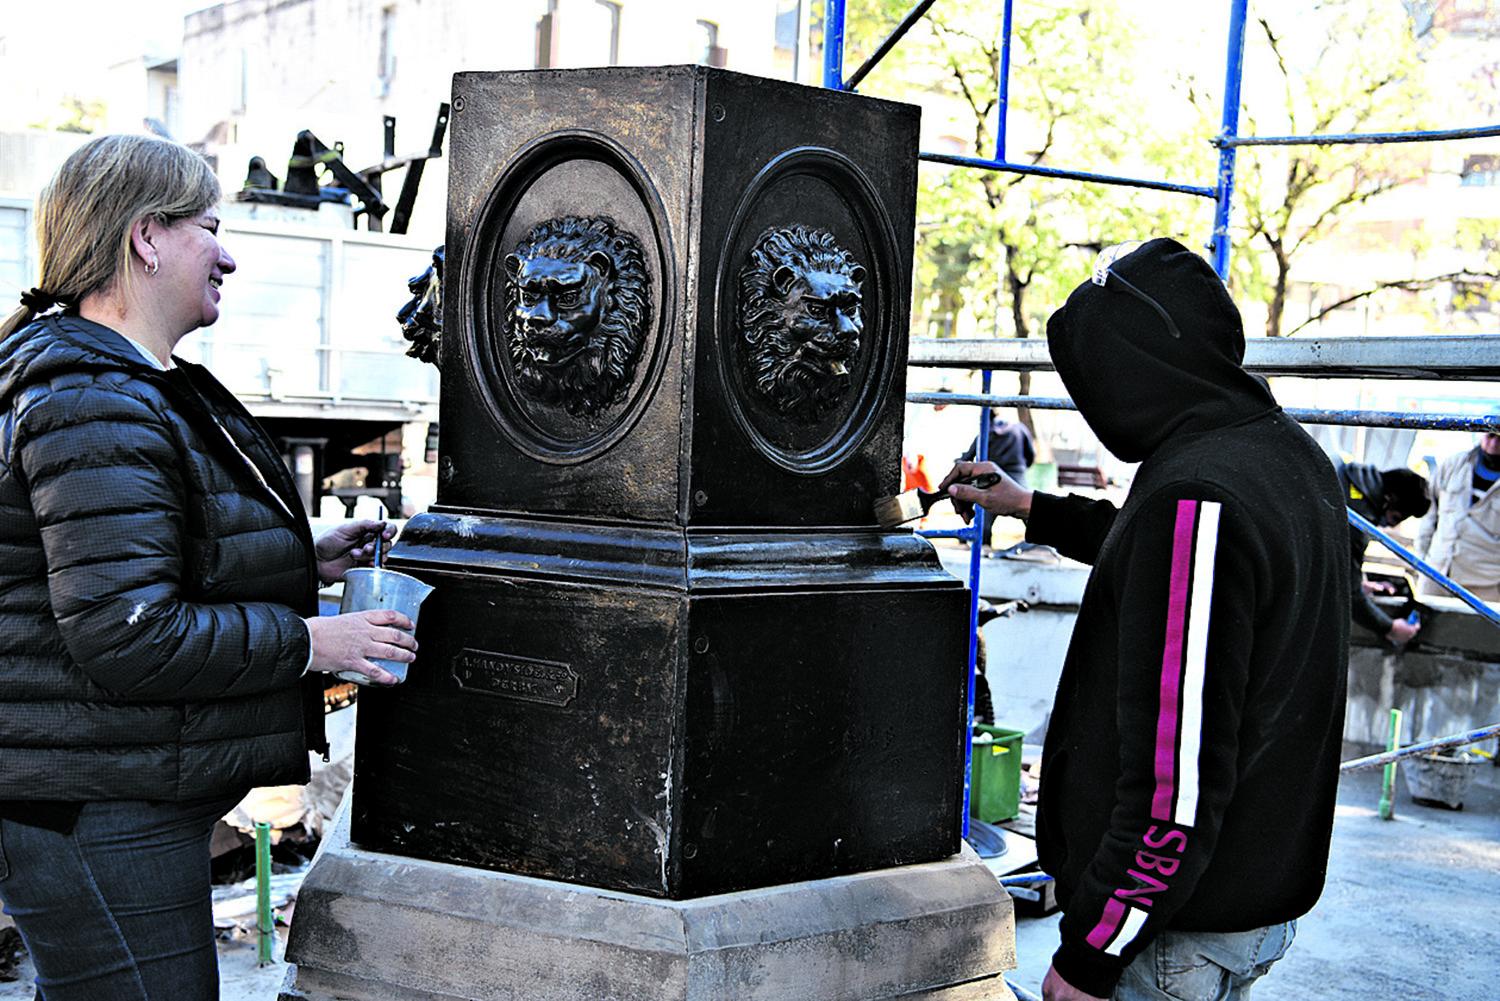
[
  {"x": 44, "y": 57},
  {"x": 113, "y": 27}
]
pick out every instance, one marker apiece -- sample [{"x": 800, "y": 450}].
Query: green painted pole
[
  {"x": 265, "y": 923},
  {"x": 1388, "y": 784}
]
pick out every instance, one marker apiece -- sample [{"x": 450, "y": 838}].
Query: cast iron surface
[
  {"x": 668, "y": 740},
  {"x": 698, "y": 165},
  {"x": 838, "y": 178},
  {"x": 531, "y": 150},
  {"x": 670, "y": 652},
  {"x": 654, "y": 557},
  {"x": 421, "y": 318},
  {"x": 800, "y": 320},
  {"x": 577, "y": 302},
  {"x": 536, "y": 738},
  {"x": 814, "y": 752}
]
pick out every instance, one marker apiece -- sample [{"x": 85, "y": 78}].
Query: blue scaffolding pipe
[
  {"x": 1067, "y": 175},
  {"x": 976, "y": 551},
  {"x": 1004, "y": 101},
  {"x": 1416, "y": 563},
  {"x": 1306, "y": 415},
  {"x": 1479, "y": 132},
  {"x": 1429, "y": 356},
  {"x": 1426, "y": 747},
  {"x": 1234, "y": 65},
  {"x": 966, "y": 534},
  {"x": 912, "y": 17},
  {"x": 1025, "y": 879},
  {"x": 833, "y": 44}
]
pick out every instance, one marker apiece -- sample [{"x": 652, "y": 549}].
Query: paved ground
[
  {"x": 1410, "y": 909},
  {"x": 1410, "y": 912}
]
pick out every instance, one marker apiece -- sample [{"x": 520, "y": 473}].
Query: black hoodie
[
  {"x": 1190, "y": 766},
  {"x": 1362, "y": 484}
]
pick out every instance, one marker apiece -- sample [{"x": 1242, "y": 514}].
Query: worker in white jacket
[{"x": 1460, "y": 535}]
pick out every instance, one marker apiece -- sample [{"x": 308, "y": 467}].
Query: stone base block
[{"x": 375, "y": 927}]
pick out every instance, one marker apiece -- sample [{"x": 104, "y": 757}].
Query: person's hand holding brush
[{"x": 1004, "y": 497}]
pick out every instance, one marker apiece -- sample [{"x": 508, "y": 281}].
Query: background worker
[
  {"x": 1191, "y": 761},
  {"x": 1460, "y": 536},
  {"x": 1011, "y": 449},
  {"x": 1385, "y": 499}
]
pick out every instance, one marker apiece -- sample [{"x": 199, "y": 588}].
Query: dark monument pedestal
[
  {"x": 669, "y": 651},
  {"x": 376, "y": 927},
  {"x": 685, "y": 721},
  {"x": 669, "y": 714}
]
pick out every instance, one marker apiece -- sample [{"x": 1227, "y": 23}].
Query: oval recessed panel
[
  {"x": 568, "y": 284},
  {"x": 805, "y": 299}
]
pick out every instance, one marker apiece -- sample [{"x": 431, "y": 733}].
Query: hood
[
  {"x": 1155, "y": 351},
  {"x": 60, "y": 343},
  {"x": 1367, "y": 480}
]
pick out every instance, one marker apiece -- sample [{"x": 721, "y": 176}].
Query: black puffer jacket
[{"x": 153, "y": 576}]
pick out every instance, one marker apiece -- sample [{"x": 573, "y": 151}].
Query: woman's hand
[
  {"x": 348, "y": 642},
  {"x": 1006, "y": 497},
  {"x": 350, "y": 545}
]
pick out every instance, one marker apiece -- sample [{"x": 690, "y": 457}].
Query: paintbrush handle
[
  {"x": 379, "y": 538},
  {"x": 983, "y": 481}
]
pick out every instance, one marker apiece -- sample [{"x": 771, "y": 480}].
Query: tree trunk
[
  {"x": 1018, "y": 320},
  {"x": 1277, "y": 305}
]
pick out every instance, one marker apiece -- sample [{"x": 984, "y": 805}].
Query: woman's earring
[{"x": 151, "y": 267}]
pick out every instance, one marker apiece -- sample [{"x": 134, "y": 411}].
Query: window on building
[
  {"x": 241, "y": 99},
  {"x": 1480, "y": 171},
  {"x": 547, "y": 38},
  {"x": 169, "y": 108},
  {"x": 1467, "y": 18},
  {"x": 1473, "y": 297},
  {"x": 789, "y": 37},
  {"x": 385, "y": 66},
  {"x": 710, "y": 52},
  {"x": 612, "y": 13},
  {"x": 15, "y": 249},
  {"x": 594, "y": 33}
]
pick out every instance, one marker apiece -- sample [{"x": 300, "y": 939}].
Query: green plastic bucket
[{"x": 995, "y": 774}]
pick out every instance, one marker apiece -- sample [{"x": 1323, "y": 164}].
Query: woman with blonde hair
[{"x": 160, "y": 650}]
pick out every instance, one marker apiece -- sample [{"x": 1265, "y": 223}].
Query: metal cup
[{"x": 368, "y": 588}]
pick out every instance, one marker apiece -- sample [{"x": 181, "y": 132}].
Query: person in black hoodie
[
  {"x": 1191, "y": 762},
  {"x": 1384, "y": 499},
  {"x": 158, "y": 587}
]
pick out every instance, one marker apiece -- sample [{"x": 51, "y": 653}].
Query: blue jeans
[
  {"x": 118, "y": 910},
  {"x": 1204, "y": 966}
]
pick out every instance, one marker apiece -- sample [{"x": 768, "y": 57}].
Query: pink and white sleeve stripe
[{"x": 1179, "y": 720}]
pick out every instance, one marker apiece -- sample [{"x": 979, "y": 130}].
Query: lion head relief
[
  {"x": 576, "y": 309},
  {"x": 801, "y": 316},
  {"x": 421, "y": 318}
]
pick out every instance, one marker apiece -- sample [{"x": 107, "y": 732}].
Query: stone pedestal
[{"x": 376, "y": 927}]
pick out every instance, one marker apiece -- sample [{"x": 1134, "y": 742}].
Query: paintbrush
[
  {"x": 379, "y": 537},
  {"x": 914, "y": 504}
]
